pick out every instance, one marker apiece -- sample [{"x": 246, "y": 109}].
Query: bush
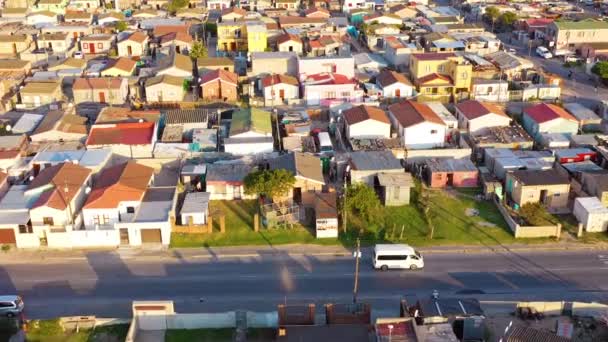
[{"x": 535, "y": 214}]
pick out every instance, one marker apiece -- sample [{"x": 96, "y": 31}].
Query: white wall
[
  {"x": 136, "y": 48},
  {"x": 136, "y": 227},
  {"x": 310, "y": 66},
  {"x": 368, "y": 129},
  {"x": 118, "y": 214},
  {"x": 498, "y": 93},
  {"x": 249, "y": 148},
  {"x": 479, "y": 124},
  {"x": 164, "y": 92},
  {"x": 84, "y": 238},
  {"x": 197, "y": 218},
  {"x": 201, "y": 320},
  {"x": 405, "y": 90},
  {"x": 229, "y": 193},
  {"x": 291, "y": 92},
  {"x": 420, "y": 137}
]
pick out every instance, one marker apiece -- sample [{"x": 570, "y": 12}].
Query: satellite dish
[
  {"x": 87, "y": 190},
  {"x": 8, "y": 128}
]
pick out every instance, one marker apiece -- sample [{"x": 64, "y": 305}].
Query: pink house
[
  {"x": 328, "y": 88},
  {"x": 459, "y": 173}
]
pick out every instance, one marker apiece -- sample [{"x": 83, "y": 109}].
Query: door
[
  {"x": 236, "y": 192},
  {"x": 14, "y": 48},
  {"x": 92, "y": 47},
  {"x": 450, "y": 179},
  {"x": 7, "y": 236},
  {"x": 102, "y": 97},
  {"x": 129, "y": 50},
  {"x": 282, "y": 94},
  {"x": 543, "y": 197},
  {"x": 151, "y": 236},
  {"x": 233, "y": 46},
  {"x": 397, "y": 92},
  {"x": 124, "y": 236}
]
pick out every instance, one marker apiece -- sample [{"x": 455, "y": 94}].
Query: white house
[
  {"x": 366, "y": 122},
  {"x": 41, "y": 18},
  {"x": 134, "y": 45},
  {"x": 476, "y": 116},
  {"x": 225, "y": 181},
  {"x": 383, "y": 19},
  {"x": 116, "y": 195},
  {"x": 418, "y": 126},
  {"x": 195, "y": 208},
  {"x": 250, "y": 132},
  {"x": 278, "y": 89},
  {"x": 131, "y": 140},
  {"x": 394, "y": 85},
  {"x": 289, "y": 42},
  {"x": 490, "y": 90},
  {"x": 397, "y": 52},
  {"x": 350, "y": 5},
  {"x": 326, "y": 89},
  {"x": 318, "y": 65},
  {"x": 218, "y": 4}
]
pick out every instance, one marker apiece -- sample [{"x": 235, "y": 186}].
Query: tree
[
  {"x": 600, "y": 69},
  {"x": 199, "y": 50},
  {"x": 425, "y": 206},
  {"x": 177, "y": 4},
  {"x": 362, "y": 199},
  {"x": 507, "y": 19},
  {"x": 270, "y": 183},
  {"x": 492, "y": 13},
  {"x": 121, "y": 26}
]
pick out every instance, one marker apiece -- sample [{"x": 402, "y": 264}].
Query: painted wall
[
  {"x": 481, "y": 123},
  {"x": 424, "y": 135},
  {"x": 368, "y": 129}
]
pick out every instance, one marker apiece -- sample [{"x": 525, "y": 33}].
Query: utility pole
[
  {"x": 344, "y": 206},
  {"x": 357, "y": 255}
]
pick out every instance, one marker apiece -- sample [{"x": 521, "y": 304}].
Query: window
[
  {"x": 465, "y": 75},
  {"x": 48, "y": 221},
  {"x": 440, "y": 68},
  {"x": 345, "y": 94},
  {"x": 396, "y": 192},
  {"x": 556, "y": 195},
  {"x": 130, "y": 210},
  {"x": 100, "y": 45},
  {"x": 6, "y": 305},
  {"x": 413, "y": 257},
  {"x": 392, "y": 257},
  {"x": 330, "y": 95},
  {"x": 433, "y": 131},
  {"x": 25, "y": 229},
  {"x": 489, "y": 90},
  {"x": 428, "y": 68}
]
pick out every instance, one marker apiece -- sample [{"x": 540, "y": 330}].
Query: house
[
  {"x": 548, "y": 187},
  {"x": 325, "y": 209},
  {"x": 568, "y": 34},
  {"x": 189, "y": 120},
  {"x": 40, "y": 18},
  {"x": 136, "y": 44},
  {"x": 15, "y": 225},
  {"x": 58, "y": 125},
  {"x": 548, "y": 118},
  {"x": 55, "y": 6},
  {"x": 279, "y": 89},
  {"x": 86, "y": 5},
  {"x": 257, "y": 36},
  {"x": 225, "y": 181},
  {"x": 95, "y": 160},
  {"x": 366, "y": 165},
  {"x": 180, "y": 41},
  {"x": 596, "y": 184},
  {"x": 404, "y": 11},
  {"x": 11, "y": 45},
  {"x": 327, "y": 46},
  {"x": 57, "y": 42},
  {"x": 121, "y": 66},
  {"x": 36, "y": 94},
  {"x": 595, "y": 50},
  {"x": 232, "y": 14},
  {"x": 394, "y": 85},
  {"x": 12, "y": 148},
  {"x": 287, "y": 4},
  {"x": 395, "y": 188},
  {"x": 78, "y": 16},
  {"x": 316, "y": 12},
  {"x": 383, "y": 19},
  {"x": 290, "y": 42},
  {"x": 69, "y": 67},
  {"x": 327, "y": 88},
  {"x": 206, "y": 64},
  {"x": 132, "y": 140},
  {"x": 366, "y": 122},
  {"x": 418, "y": 125},
  {"x": 102, "y": 90},
  {"x": 476, "y": 117},
  {"x": 307, "y": 170},
  {"x": 574, "y": 155},
  {"x": 116, "y": 195},
  {"x": 279, "y": 62},
  {"x": 27, "y": 123},
  {"x": 219, "y": 85},
  {"x": 349, "y": 5},
  {"x": 250, "y": 132},
  {"x": 76, "y": 29},
  {"x": 588, "y": 120},
  {"x": 287, "y": 21},
  {"x": 165, "y": 88},
  {"x": 537, "y": 27},
  {"x": 439, "y": 76},
  {"x": 442, "y": 172},
  {"x": 489, "y": 90},
  {"x": 179, "y": 66},
  {"x": 110, "y": 18},
  {"x": 397, "y": 52},
  {"x": 218, "y": 4},
  {"x": 195, "y": 209},
  {"x": 369, "y": 63},
  {"x": 126, "y": 4},
  {"x": 60, "y": 194},
  {"x": 98, "y": 43},
  {"x": 318, "y": 65}
]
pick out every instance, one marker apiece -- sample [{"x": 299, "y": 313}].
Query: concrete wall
[
  {"x": 83, "y": 238},
  {"x": 163, "y": 92},
  {"x": 547, "y": 308},
  {"x": 425, "y": 135},
  {"x": 456, "y": 153},
  {"x": 528, "y": 231},
  {"x": 368, "y": 129},
  {"x": 589, "y": 309},
  {"x": 201, "y": 320}
]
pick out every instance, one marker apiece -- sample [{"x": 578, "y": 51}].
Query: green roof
[
  {"x": 254, "y": 119},
  {"x": 581, "y": 25}
]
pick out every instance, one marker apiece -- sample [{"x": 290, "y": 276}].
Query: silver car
[{"x": 11, "y": 306}]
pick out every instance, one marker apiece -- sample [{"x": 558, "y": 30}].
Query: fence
[{"x": 527, "y": 231}]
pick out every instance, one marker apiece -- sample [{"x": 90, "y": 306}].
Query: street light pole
[{"x": 357, "y": 257}]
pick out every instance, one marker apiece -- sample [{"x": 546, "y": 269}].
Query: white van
[
  {"x": 396, "y": 256},
  {"x": 325, "y": 145}
]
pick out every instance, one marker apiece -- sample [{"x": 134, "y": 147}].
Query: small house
[
  {"x": 195, "y": 209},
  {"x": 250, "y": 132},
  {"x": 591, "y": 213},
  {"x": 366, "y": 165},
  {"x": 394, "y": 85},
  {"x": 395, "y": 188},
  {"x": 226, "y": 181},
  {"x": 136, "y": 44},
  {"x": 596, "y": 184},
  {"x": 307, "y": 170},
  {"x": 112, "y": 90},
  {"x": 548, "y": 118},
  {"x": 588, "y": 120},
  {"x": 418, "y": 125},
  {"x": 290, "y": 43},
  {"x": 36, "y": 94},
  {"x": 121, "y": 66},
  {"x": 366, "y": 122},
  {"x": 219, "y": 85},
  {"x": 278, "y": 89},
  {"x": 131, "y": 140},
  {"x": 98, "y": 43},
  {"x": 476, "y": 117},
  {"x": 179, "y": 66},
  {"x": 459, "y": 173},
  {"x": 165, "y": 88},
  {"x": 574, "y": 155},
  {"x": 548, "y": 187},
  {"x": 206, "y": 64}
]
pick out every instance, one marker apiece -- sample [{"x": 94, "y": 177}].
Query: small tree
[
  {"x": 362, "y": 199},
  {"x": 199, "y": 50},
  {"x": 177, "y": 4},
  {"x": 271, "y": 183},
  {"x": 425, "y": 206},
  {"x": 507, "y": 19},
  {"x": 492, "y": 13},
  {"x": 121, "y": 26}
]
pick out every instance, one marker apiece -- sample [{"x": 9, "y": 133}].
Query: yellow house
[
  {"x": 14, "y": 44},
  {"x": 248, "y": 36},
  {"x": 441, "y": 76},
  {"x": 121, "y": 66}
]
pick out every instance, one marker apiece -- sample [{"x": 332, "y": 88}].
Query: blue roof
[{"x": 449, "y": 45}]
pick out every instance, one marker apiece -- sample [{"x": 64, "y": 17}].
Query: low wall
[
  {"x": 527, "y": 231},
  {"x": 83, "y": 238},
  {"x": 262, "y": 319},
  {"x": 202, "y": 320},
  {"x": 589, "y": 309},
  {"x": 133, "y": 329},
  {"x": 547, "y": 308}
]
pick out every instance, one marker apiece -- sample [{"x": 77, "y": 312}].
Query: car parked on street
[
  {"x": 396, "y": 256},
  {"x": 543, "y": 52},
  {"x": 11, "y": 306}
]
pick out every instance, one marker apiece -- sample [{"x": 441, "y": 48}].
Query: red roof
[
  {"x": 538, "y": 22},
  {"x": 222, "y": 74},
  {"x": 432, "y": 56},
  {"x": 315, "y": 44},
  {"x": 286, "y": 37},
  {"x": 278, "y": 78},
  {"x": 97, "y": 83},
  {"x": 139, "y": 133},
  {"x": 65, "y": 181},
  {"x": 546, "y": 112},
  {"x": 473, "y": 109},
  {"x": 432, "y": 77},
  {"x": 410, "y": 113},
  {"x": 161, "y": 30},
  {"x": 361, "y": 113},
  {"x": 327, "y": 78},
  {"x": 123, "y": 182}
]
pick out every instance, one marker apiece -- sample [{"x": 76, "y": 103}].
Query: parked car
[
  {"x": 543, "y": 52},
  {"x": 573, "y": 59},
  {"x": 396, "y": 256},
  {"x": 78, "y": 55},
  {"x": 11, "y": 306}
]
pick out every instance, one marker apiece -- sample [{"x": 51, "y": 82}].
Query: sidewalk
[{"x": 216, "y": 253}]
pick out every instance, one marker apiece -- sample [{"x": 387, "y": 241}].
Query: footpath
[{"x": 216, "y": 253}]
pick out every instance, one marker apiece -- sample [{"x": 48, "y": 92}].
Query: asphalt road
[{"x": 104, "y": 283}]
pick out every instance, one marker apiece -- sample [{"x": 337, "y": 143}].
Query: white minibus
[{"x": 396, "y": 256}]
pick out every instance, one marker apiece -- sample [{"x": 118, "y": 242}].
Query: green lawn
[
  {"x": 51, "y": 331},
  {"x": 199, "y": 335}
]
